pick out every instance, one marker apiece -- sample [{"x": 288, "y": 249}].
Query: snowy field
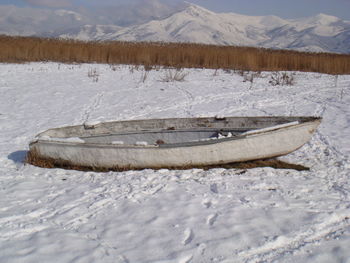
[{"x": 255, "y": 215}]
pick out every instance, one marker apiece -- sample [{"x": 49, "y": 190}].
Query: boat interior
[
  {"x": 161, "y": 137},
  {"x": 169, "y": 131}
]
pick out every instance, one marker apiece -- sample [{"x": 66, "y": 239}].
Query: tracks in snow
[
  {"x": 282, "y": 245},
  {"x": 89, "y": 109},
  {"x": 190, "y": 100}
]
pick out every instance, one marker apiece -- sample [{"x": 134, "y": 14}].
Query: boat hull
[{"x": 260, "y": 145}]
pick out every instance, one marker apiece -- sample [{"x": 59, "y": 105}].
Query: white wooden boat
[{"x": 173, "y": 143}]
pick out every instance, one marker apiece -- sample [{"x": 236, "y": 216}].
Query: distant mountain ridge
[{"x": 320, "y": 33}]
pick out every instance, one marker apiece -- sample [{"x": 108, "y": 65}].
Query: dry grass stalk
[
  {"x": 93, "y": 74},
  {"x": 282, "y": 78},
  {"x": 176, "y": 55},
  {"x": 174, "y": 75}
]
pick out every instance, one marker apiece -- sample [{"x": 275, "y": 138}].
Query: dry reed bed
[{"x": 179, "y": 55}]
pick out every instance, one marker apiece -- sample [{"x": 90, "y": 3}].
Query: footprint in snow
[
  {"x": 244, "y": 200},
  {"x": 206, "y": 203},
  {"x": 122, "y": 259},
  {"x": 186, "y": 259},
  {"x": 201, "y": 248},
  {"x": 211, "y": 219},
  {"x": 214, "y": 188},
  {"x": 188, "y": 236}
]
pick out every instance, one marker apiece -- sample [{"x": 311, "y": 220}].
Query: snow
[
  {"x": 62, "y": 12},
  {"x": 142, "y": 143},
  {"x": 157, "y": 21},
  {"x": 216, "y": 215},
  {"x": 199, "y": 25},
  {"x": 69, "y": 140},
  {"x": 91, "y": 124},
  {"x": 117, "y": 142}
]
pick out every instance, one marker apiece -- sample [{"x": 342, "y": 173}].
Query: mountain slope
[
  {"x": 86, "y": 32},
  {"x": 35, "y": 21},
  {"x": 196, "y": 24},
  {"x": 81, "y": 23},
  {"x": 320, "y": 33}
]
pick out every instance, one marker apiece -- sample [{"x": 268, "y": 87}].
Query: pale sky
[{"x": 282, "y": 8}]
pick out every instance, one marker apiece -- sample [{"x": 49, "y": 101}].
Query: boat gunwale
[
  {"x": 174, "y": 145},
  {"x": 301, "y": 119}
]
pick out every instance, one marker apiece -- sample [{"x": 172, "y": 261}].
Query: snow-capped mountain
[
  {"x": 35, "y": 21},
  {"x": 321, "y": 33},
  {"x": 81, "y": 23},
  {"x": 196, "y": 24},
  {"x": 318, "y": 33},
  {"x": 87, "y": 32}
]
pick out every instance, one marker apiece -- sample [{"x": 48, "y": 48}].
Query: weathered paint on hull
[{"x": 236, "y": 149}]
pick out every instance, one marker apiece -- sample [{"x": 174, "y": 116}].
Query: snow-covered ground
[{"x": 255, "y": 215}]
